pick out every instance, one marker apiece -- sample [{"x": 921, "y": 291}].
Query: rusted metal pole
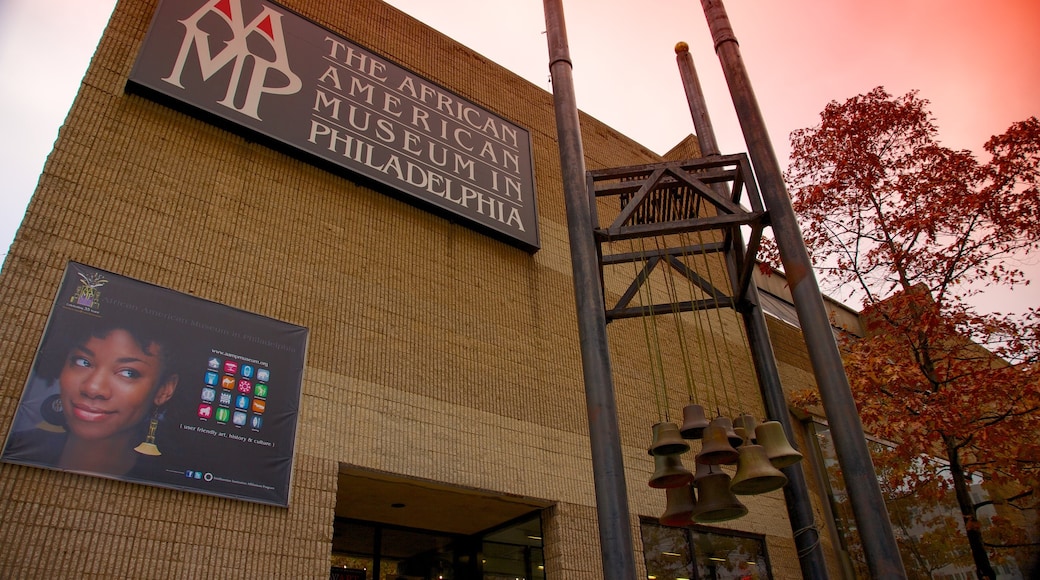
[
  {"x": 868, "y": 505},
  {"x": 796, "y": 492},
  {"x": 615, "y": 532}
]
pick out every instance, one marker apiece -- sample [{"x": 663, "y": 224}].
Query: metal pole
[
  {"x": 615, "y": 530},
  {"x": 796, "y": 492},
  {"x": 868, "y": 505}
]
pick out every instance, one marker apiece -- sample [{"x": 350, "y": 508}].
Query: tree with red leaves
[{"x": 916, "y": 229}]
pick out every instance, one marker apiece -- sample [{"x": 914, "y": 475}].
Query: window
[
  {"x": 700, "y": 553},
  {"x": 372, "y": 551},
  {"x": 929, "y": 532}
]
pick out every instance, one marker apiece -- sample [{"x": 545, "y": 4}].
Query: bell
[
  {"x": 715, "y": 501},
  {"x": 771, "y": 436},
  {"x": 667, "y": 440},
  {"x": 716, "y": 448},
  {"x": 734, "y": 439},
  {"x": 679, "y": 510},
  {"x": 694, "y": 422},
  {"x": 755, "y": 474},
  {"x": 748, "y": 424},
  {"x": 704, "y": 470},
  {"x": 669, "y": 472},
  {"x": 742, "y": 434}
]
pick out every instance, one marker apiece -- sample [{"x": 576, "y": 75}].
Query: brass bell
[
  {"x": 715, "y": 501},
  {"x": 694, "y": 422},
  {"x": 771, "y": 436},
  {"x": 748, "y": 424},
  {"x": 741, "y": 433},
  {"x": 716, "y": 449},
  {"x": 679, "y": 510},
  {"x": 727, "y": 423},
  {"x": 755, "y": 474},
  {"x": 669, "y": 472},
  {"x": 667, "y": 440}
]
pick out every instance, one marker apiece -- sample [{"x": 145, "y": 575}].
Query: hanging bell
[
  {"x": 755, "y": 474},
  {"x": 715, "y": 501},
  {"x": 704, "y": 470},
  {"x": 667, "y": 440},
  {"x": 727, "y": 423},
  {"x": 771, "y": 436},
  {"x": 694, "y": 422},
  {"x": 748, "y": 424},
  {"x": 680, "y": 507},
  {"x": 669, "y": 472},
  {"x": 716, "y": 448},
  {"x": 742, "y": 434}
]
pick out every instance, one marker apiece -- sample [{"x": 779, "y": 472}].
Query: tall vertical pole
[
  {"x": 615, "y": 530},
  {"x": 868, "y": 505},
  {"x": 796, "y": 492}
]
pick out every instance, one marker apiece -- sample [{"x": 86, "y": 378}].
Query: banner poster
[
  {"x": 254, "y": 65},
  {"x": 140, "y": 383}
]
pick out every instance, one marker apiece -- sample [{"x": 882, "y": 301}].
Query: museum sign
[{"x": 259, "y": 66}]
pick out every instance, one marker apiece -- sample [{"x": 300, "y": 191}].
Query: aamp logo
[{"x": 265, "y": 27}]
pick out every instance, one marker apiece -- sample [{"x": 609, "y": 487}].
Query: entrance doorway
[{"x": 392, "y": 528}]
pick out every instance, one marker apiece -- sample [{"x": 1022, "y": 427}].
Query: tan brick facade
[{"x": 435, "y": 352}]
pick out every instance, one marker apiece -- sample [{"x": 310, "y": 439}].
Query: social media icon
[
  {"x": 223, "y": 415},
  {"x": 205, "y": 411},
  {"x": 259, "y": 405},
  {"x": 245, "y": 387},
  {"x": 198, "y": 475},
  {"x": 242, "y": 402},
  {"x": 209, "y": 394},
  {"x": 188, "y": 473},
  {"x": 263, "y": 375},
  {"x": 230, "y": 367},
  {"x": 261, "y": 390},
  {"x": 256, "y": 421},
  {"x": 214, "y": 363},
  {"x": 212, "y": 378},
  {"x": 247, "y": 371},
  {"x": 239, "y": 418},
  {"x": 227, "y": 382}
]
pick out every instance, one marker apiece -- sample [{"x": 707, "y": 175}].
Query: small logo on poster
[{"x": 87, "y": 296}]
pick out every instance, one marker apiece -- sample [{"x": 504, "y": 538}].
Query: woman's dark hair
[{"x": 74, "y": 330}]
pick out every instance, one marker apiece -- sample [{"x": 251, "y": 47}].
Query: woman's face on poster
[{"x": 110, "y": 384}]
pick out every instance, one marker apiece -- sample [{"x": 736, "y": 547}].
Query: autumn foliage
[{"x": 915, "y": 229}]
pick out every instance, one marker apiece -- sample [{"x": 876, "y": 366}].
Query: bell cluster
[{"x": 709, "y": 494}]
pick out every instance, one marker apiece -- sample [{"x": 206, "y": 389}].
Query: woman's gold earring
[{"x": 148, "y": 447}]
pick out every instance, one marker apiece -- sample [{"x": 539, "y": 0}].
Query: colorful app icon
[
  {"x": 205, "y": 411},
  {"x": 227, "y": 382},
  {"x": 259, "y": 405},
  {"x": 188, "y": 473},
  {"x": 209, "y": 394},
  {"x": 247, "y": 371},
  {"x": 225, "y": 398},
  {"x": 230, "y": 367},
  {"x": 214, "y": 362},
  {"x": 241, "y": 402},
  {"x": 223, "y": 415},
  {"x": 239, "y": 418},
  {"x": 212, "y": 378},
  {"x": 198, "y": 475},
  {"x": 261, "y": 390},
  {"x": 256, "y": 422},
  {"x": 263, "y": 375},
  {"x": 244, "y": 386}
]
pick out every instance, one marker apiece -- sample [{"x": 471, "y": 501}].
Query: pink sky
[{"x": 977, "y": 62}]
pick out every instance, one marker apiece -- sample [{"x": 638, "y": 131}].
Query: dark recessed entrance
[{"x": 389, "y": 528}]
